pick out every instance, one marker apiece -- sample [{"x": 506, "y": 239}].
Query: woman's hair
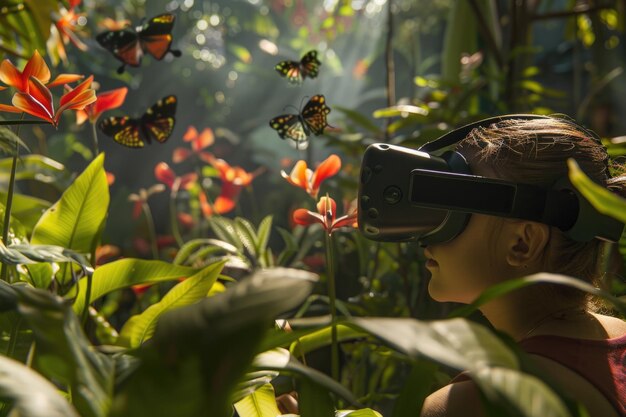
[{"x": 535, "y": 151}]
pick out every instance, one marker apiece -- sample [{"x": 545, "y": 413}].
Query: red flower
[
  {"x": 167, "y": 176},
  {"x": 105, "y": 101},
  {"x": 233, "y": 179},
  {"x": 198, "y": 141},
  {"x": 309, "y": 180},
  {"x": 37, "y": 101},
  {"x": 326, "y": 216}
]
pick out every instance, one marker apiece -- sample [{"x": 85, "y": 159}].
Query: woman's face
[{"x": 470, "y": 263}]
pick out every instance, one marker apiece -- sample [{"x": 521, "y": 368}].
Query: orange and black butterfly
[
  {"x": 296, "y": 72},
  {"x": 130, "y": 45},
  {"x": 297, "y": 127},
  {"x": 157, "y": 124}
]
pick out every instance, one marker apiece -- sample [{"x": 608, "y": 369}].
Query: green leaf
[
  {"x": 281, "y": 360},
  {"x": 521, "y": 394},
  {"x": 401, "y": 111},
  {"x": 140, "y": 328},
  {"x": 196, "y": 249},
  {"x": 263, "y": 234},
  {"x": 247, "y": 236},
  {"x": 600, "y": 198},
  {"x": 63, "y": 352},
  {"x": 261, "y": 403},
  {"x": 75, "y": 221},
  {"x": 8, "y": 140},
  {"x": 30, "y": 393},
  {"x": 36, "y": 167},
  {"x": 541, "y": 278},
  {"x": 458, "y": 343},
  {"x": 125, "y": 273},
  {"x": 28, "y": 254},
  {"x": 199, "y": 352},
  {"x": 359, "y": 118},
  {"x": 26, "y": 209}
]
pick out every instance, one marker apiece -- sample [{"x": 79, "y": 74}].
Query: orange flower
[
  {"x": 105, "y": 101},
  {"x": 198, "y": 141},
  {"x": 326, "y": 216},
  {"x": 35, "y": 68},
  {"x": 63, "y": 31},
  {"x": 167, "y": 176},
  {"x": 310, "y": 181},
  {"x": 38, "y": 100},
  {"x": 233, "y": 180}
]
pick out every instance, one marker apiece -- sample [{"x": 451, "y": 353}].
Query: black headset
[{"x": 429, "y": 194}]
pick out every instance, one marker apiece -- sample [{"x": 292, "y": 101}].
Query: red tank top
[{"x": 601, "y": 362}]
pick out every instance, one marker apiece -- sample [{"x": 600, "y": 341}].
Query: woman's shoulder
[{"x": 614, "y": 327}]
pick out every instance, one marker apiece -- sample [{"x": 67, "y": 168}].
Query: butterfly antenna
[
  {"x": 302, "y": 101},
  {"x": 292, "y": 106}
]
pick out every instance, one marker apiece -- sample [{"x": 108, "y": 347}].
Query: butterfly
[
  {"x": 296, "y": 71},
  {"x": 157, "y": 123},
  {"x": 129, "y": 45},
  {"x": 312, "y": 119}
]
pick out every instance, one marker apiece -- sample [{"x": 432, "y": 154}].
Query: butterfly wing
[
  {"x": 309, "y": 64},
  {"x": 159, "y": 120},
  {"x": 124, "y": 130},
  {"x": 155, "y": 36},
  {"x": 123, "y": 44},
  {"x": 289, "y": 126},
  {"x": 290, "y": 70},
  {"x": 314, "y": 114}
]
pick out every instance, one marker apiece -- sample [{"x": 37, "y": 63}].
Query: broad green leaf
[
  {"x": 75, "y": 221},
  {"x": 541, "y": 278},
  {"x": 37, "y": 167},
  {"x": 261, "y": 403},
  {"x": 200, "y": 352},
  {"x": 125, "y": 273},
  {"x": 322, "y": 337},
  {"x": 458, "y": 343},
  {"x": 64, "y": 353},
  {"x": 251, "y": 382},
  {"x": 600, "y": 198},
  {"x": 140, "y": 327},
  {"x": 189, "y": 252},
  {"x": 9, "y": 140},
  {"x": 263, "y": 233},
  {"x": 30, "y": 393},
  {"x": 281, "y": 360},
  {"x": 28, "y": 254},
  {"x": 417, "y": 386},
  {"x": 314, "y": 400},
  {"x": 521, "y": 394},
  {"x": 26, "y": 209},
  {"x": 40, "y": 275}
]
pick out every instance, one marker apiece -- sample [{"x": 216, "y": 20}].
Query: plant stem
[
  {"x": 151, "y": 229},
  {"x": 96, "y": 151},
  {"x": 9, "y": 204},
  {"x": 173, "y": 213},
  {"x": 334, "y": 347},
  {"x": 15, "y": 330}
]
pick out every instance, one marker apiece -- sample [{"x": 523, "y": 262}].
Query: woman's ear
[{"x": 527, "y": 243}]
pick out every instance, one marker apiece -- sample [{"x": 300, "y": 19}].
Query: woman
[{"x": 583, "y": 351}]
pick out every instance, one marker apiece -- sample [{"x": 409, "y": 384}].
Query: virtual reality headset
[{"x": 429, "y": 194}]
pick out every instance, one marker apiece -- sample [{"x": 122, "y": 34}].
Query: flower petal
[
  {"x": 327, "y": 208},
  {"x": 164, "y": 174},
  {"x": 205, "y": 139},
  {"x": 109, "y": 100},
  {"x": 76, "y": 96},
  {"x": 36, "y": 67},
  {"x": 329, "y": 167},
  {"x": 63, "y": 79},
  {"x": 305, "y": 217},
  {"x": 9, "y": 109},
  {"x": 37, "y": 103},
  {"x": 298, "y": 175},
  {"x": 190, "y": 134},
  {"x": 11, "y": 76},
  {"x": 180, "y": 154}
]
